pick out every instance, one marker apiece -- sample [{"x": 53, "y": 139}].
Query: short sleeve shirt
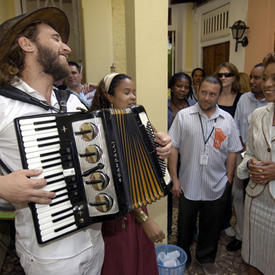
[{"x": 204, "y": 182}]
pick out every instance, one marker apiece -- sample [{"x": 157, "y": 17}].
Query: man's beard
[{"x": 50, "y": 63}]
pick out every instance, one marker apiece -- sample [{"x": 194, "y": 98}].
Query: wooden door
[{"x": 214, "y": 55}]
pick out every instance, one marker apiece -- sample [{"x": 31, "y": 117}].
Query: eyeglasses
[{"x": 225, "y": 75}]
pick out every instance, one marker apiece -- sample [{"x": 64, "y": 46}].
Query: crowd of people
[
  {"x": 222, "y": 154},
  {"x": 220, "y": 151}
]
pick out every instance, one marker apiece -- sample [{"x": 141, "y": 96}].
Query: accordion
[{"x": 100, "y": 165}]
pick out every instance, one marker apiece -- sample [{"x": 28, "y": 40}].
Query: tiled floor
[{"x": 228, "y": 263}]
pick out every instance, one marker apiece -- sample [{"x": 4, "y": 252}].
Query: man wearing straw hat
[{"x": 33, "y": 55}]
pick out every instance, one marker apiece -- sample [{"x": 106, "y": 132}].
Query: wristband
[{"x": 141, "y": 217}]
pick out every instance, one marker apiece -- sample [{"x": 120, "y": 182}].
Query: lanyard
[{"x": 206, "y": 140}]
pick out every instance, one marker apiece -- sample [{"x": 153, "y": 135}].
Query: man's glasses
[{"x": 225, "y": 75}]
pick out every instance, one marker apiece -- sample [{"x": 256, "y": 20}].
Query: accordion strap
[
  {"x": 5, "y": 167},
  {"x": 17, "y": 94},
  {"x": 62, "y": 97}
]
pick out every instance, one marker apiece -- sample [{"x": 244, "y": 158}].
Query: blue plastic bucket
[{"x": 177, "y": 270}]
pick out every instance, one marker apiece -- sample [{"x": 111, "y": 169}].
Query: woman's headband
[{"x": 108, "y": 79}]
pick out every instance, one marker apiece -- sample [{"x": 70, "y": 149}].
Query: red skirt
[{"x": 128, "y": 251}]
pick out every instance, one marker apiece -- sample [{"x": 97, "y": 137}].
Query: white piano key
[
  {"x": 51, "y": 235},
  {"x": 37, "y": 126},
  {"x": 55, "y": 186},
  {"x": 37, "y": 119},
  {"x": 69, "y": 172},
  {"x": 38, "y": 159},
  {"x": 143, "y": 117},
  {"x": 52, "y": 209},
  {"x": 39, "y": 153},
  {"x": 38, "y": 135},
  {"x": 167, "y": 178},
  {"x": 33, "y": 132},
  {"x": 40, "y": 142},
  {"x": 60, "y": 207},
  {"x": 49, "y": 180},
  {"x": 52, "y": 170},
  {"x": 42, "y": 149},
  {"x": 61, "y": 192},
  {"x": 57, "y": 169},
  {"x": 39, "y": 164},
  {"x": 64, "y": 197},
  {"x": 55, "y": 200},
  {"x": 51, "y": 226},
  {"x": 59, "y": 177},
  {"x": 48, "y": 219}
]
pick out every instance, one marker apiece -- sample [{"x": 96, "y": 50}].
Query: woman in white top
[{"x": 258, "y": 248}]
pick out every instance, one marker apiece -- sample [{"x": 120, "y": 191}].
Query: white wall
[
  {"x": 237, "y": 11},
  {"x": 179, "y": 26}
]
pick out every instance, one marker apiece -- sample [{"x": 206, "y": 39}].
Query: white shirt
[
  {"x": 246, "y": 105},
  {"x": 66, "y": 247},
  {"x": 203, "y": 182}
]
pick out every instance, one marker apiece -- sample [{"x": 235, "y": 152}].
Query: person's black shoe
[{"x": 234, "y": 245}]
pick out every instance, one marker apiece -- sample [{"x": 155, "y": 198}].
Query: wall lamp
[{"x": 238, "y": 29}]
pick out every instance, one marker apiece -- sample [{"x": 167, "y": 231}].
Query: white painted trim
[{"x": 237, "y": 11}]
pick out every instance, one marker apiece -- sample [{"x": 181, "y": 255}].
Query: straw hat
[{"x": 12, "y": 27}]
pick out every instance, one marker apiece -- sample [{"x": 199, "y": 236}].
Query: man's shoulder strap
[
  {"x": 62, "y": 97},
  {"x": 17, "y": 94}
]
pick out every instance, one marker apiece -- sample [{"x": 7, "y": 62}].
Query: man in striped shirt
[{"x": 207, "y": 140}]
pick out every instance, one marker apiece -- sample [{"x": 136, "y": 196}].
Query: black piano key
[
  {"x": 50, "y": 159},
  {"x": 61, "y": 211},
  {"x": 63, "y": 227},
  {"x": 54, "y": 181},
  {"x": 44, "y": 128},
  {"x": 51, "y": 165},
  {"x": 47, "y": 138},
  {"x": 55, "y": 203},
  {"x": 50, "y": 153},
  {"x": 48, "y": 144},
  {"x": 62, "y": 218},
  {"x": 60, "y": 195},
  {"x": 53, "y": 175}
]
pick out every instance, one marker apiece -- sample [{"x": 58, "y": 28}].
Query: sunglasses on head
[{"x": 225, "y": 74}]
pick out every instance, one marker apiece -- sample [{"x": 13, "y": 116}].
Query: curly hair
[
  {"x": 232, "y": 69},
  {"x": 100, "y": 100},
  {"x": 12, "y": 64},
  {"x": 172, "y": 81}
]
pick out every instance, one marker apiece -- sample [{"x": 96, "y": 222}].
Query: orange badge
[{"x": 218, "y": 138}]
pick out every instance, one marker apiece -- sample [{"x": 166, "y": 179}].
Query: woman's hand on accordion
[
  {"x": 17, "y": 187},
  {"x": 153, "y": 230},
  {"x": 164, "y": 140}
]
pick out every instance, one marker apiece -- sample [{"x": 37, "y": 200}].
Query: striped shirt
[
  {"x": 204, "y": 182},
  {"x": 246, "y": 105}
]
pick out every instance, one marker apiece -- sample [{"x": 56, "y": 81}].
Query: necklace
[{"x": 179, "y": 108}]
